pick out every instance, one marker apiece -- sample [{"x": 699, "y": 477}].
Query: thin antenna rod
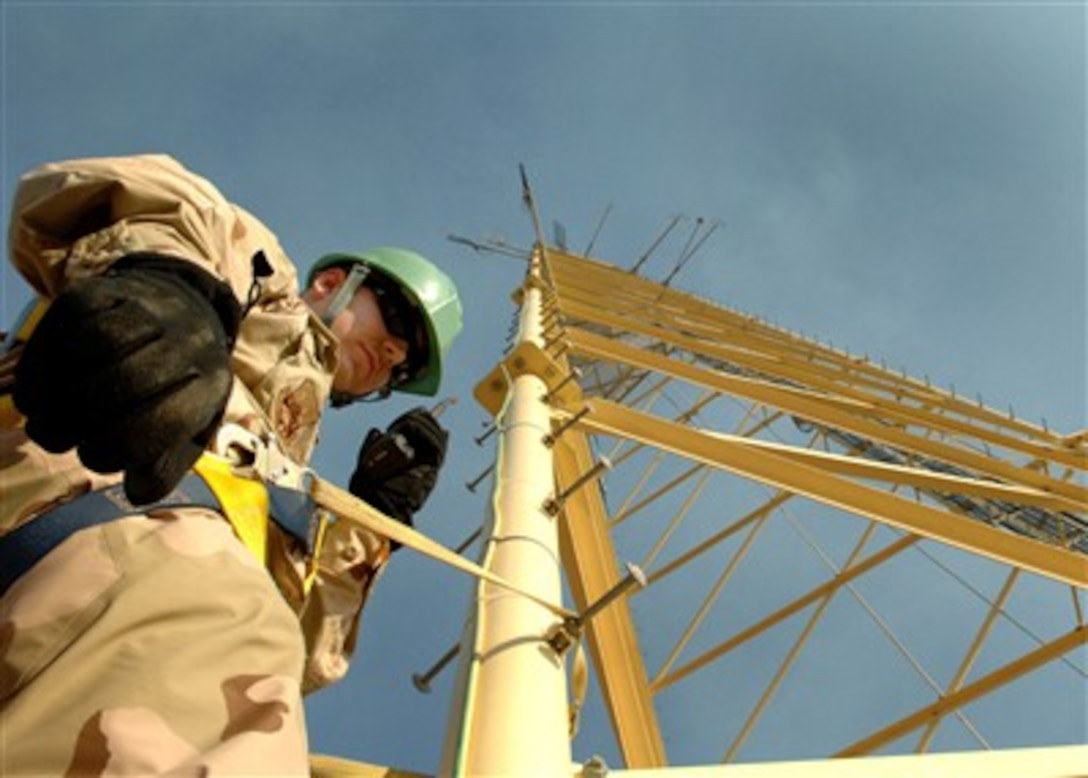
[
  {"x": 687, "y": 246},
  {"x": 642, "y": 260},
  {"x": 600, "y": 226},
  {"x": 489, "y": 246},
  {"x": 527, "y": 198},
  {"x": 692, "y": 248}
]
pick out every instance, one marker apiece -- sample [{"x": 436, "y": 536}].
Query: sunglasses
[{"x": 402, "y": 320}]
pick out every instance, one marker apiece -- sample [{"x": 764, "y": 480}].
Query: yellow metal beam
[
  {"x": 322, "y": 766},
  {"x": 1052, "y": 762},
  {"x": 719, "y": 536},
  {"x": 871, "y": 469},
  {"x": 591, "y": 565},
  {"x": 971, "y": 692},
  {"x": 604, "y": 288},
  {"x": 785, "y": 473},
  {"x": 814, "y": 619},
  {"x": 712, "y": 595},
  {"x": 841, "y": 388},
  {"x": 824, "y": 411},
  {"x": 845, "y": 576},
  {"x": 973, "y": 651}
]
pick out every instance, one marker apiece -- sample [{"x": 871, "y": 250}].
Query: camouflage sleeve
[
  {"x": 351, "y": 562},
  {"x": 73, "y": 219}
]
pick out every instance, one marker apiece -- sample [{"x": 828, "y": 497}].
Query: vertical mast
[{"x": 510, "y": 714}]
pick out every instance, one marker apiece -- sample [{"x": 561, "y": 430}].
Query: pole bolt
[
  {"x": 490, "y": 431},
  {"x": 573, "y": 375},
  {"x": 422, "y": 681},
  {"x": 553, "y": 436},
  {"x": 553, "y": 505},
  {"x": 471, "y": 485}
]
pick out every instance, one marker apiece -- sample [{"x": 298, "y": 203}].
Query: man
[{"x": 149, "y": 616}]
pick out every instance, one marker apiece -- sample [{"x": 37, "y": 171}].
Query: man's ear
[{"x": 327, "y": 281}]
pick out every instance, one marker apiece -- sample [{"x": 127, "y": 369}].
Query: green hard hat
[{"x": 428, "y": 290}]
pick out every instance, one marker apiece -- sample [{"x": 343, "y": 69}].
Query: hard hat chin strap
[
  {"x": 342, "y": 399},
  {"x": 347, "y": 290}
]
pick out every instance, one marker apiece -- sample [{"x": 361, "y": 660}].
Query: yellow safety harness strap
[
  {"x": 249, "y": 504},
  {"x": 350, "y": 508},
  {"x": 244, "y": 502}
]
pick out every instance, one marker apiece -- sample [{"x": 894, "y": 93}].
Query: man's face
[{"x": 367, "y": 352}]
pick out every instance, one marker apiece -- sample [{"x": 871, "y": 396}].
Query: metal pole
[{"x": 510, "y": 707}]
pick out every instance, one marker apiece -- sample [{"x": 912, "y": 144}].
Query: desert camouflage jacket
[{"x": 73, "y": 219}]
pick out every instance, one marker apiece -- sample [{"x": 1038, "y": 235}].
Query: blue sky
[{"x": 906, "y": 180}]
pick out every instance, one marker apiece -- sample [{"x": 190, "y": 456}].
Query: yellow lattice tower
[{"x": 721, "y": 430}]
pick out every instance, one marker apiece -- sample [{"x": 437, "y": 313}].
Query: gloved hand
[
  {"x": 397, "y": 470},
  {"x": 133, "y": 368}
]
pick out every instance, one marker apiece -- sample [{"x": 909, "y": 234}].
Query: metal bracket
[
  {"x": 526, "y": 358},
  {"x": 594, "y": 767},
  {"x": 566, "y": 633},
  {"x": 264, "y": 458}
]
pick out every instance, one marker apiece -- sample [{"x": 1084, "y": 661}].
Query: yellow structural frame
[{"x": 604, "y": 315}]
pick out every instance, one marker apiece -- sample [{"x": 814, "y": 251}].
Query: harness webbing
[
  {"x": 292, "y": 510},
  {"x": 25, "y": 546}
]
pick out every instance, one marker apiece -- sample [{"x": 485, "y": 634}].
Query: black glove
[
  {"x": 397, "y": 470},
  {"x": 133, "y": 368}
]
